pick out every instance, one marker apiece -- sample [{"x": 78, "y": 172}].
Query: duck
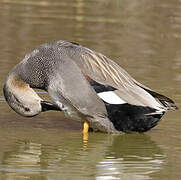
[{"x": 87, "y": 86}]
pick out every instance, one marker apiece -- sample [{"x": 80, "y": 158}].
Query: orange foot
[{"x": 85, "y": 131}]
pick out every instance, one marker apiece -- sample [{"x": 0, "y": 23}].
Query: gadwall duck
[{"x": 86, "y": 85}]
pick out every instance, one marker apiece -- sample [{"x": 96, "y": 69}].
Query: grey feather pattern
[{"x": 107, "y": 72}]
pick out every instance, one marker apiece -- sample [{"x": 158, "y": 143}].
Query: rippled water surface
[{"x": 144, "y": 37}]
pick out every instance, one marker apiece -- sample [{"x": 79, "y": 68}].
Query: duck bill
[{"x": 47, "y": 106}]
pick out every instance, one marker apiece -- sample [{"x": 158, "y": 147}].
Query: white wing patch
[{"x": 111, "y": 98}]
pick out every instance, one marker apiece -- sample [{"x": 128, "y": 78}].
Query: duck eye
[{"x": 27, "y": 109}]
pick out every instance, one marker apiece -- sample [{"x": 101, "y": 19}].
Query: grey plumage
[{"x": 59, "y": 68}]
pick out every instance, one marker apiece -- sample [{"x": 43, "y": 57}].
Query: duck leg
[
  {"x": 85, "y": 131},
  {"x": 85, "y": 127}
]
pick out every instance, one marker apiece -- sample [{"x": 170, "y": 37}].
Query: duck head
[{"x": 23, "y": 99}]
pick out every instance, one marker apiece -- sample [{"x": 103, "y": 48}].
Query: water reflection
[{"x": 131, "y": 156}]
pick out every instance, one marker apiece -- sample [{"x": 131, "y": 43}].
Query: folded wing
[{"x": 105, "y": 71}]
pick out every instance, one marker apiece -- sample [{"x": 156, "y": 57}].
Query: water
[{"x": 144, "y": 37}]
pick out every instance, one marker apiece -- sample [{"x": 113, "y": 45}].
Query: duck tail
[{"x": 165, "y": 101}]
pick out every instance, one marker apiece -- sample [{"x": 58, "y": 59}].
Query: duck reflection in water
[{"x": 121, "y": 156}]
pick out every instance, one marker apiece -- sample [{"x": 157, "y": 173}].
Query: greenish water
[{"x": 144, "y": 37}]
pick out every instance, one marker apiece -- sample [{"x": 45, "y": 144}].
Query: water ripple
[{"x": 26, "y": 170}]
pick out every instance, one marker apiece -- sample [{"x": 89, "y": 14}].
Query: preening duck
[{"x": 86, "y": 85}]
